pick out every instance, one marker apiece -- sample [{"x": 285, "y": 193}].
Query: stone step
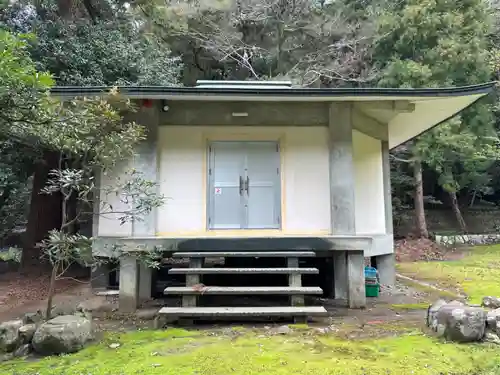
[
  {"x": 241, "y": 271},
  {"x": 221, "y": 312},
  {"x": 253, "y": 290},
  {"x": 248, "y": 254}
]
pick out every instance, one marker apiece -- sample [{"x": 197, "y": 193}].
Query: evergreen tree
[{"x": 437, "y": 43}]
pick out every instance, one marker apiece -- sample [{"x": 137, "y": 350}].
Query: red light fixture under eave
[{"x": 148, "y": 103}]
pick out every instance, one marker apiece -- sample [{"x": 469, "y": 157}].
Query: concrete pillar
[
  {"x": 340, "y": 274},
  {"x": 385, "y": 264},
  {"x": 386, "y": 173},
  {"x": 342, "y": 187},
  {"x": 342, "y": 184},
  {"x": 129, "y": 284},
  {"x": 145, "y": 161},
  {"x": 356, "y": 294}
]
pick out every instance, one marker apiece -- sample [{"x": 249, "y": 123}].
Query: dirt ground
[{"x": 413, "y": 250}]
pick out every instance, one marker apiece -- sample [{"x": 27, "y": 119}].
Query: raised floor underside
[{"x": 337, "y": 262}]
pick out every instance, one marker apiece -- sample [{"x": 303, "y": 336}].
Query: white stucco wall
[
  {"x": 369, "y": 192},
  {"x": 182, "y": 168}
]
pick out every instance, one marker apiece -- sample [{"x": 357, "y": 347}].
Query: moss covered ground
[
  {"x": 410, "y": 306},
  {"x": 477, "y": 274},
  {"x": 181, "y": 352}
]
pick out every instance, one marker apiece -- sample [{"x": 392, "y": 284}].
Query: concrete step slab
[
  {"x": 241, "y": 271},
  {"x": 221, "y": 312},
  {"x": 252, "y": 290},
  {"x": 248, "y": 254}
]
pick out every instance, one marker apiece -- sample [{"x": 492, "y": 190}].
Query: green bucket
[{"x": 372, "y": 290}]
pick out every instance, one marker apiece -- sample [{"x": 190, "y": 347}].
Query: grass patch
[
  {"x": 476, "y": 274},
  {"x": 424, "y": 288},
  {"x": 178, "y": 352},
  {"x": 410, "y": 306}
]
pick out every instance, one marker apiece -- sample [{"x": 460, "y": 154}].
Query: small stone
[
  {"x": 62, "y": 310},
  {"x": 23, "y": 350},
  {"x": 95, "y": 304},
  {"x": 33, "y": 318},
  {"x": 6, "y": 357},
  {"x": 493, "y": 319},
  {"x": 491, "y": 302},
  {"x": 284, "y": 330},
  {"x": 114, "y": 345},
  {"x": 146, "y": 314},
  {"x": 491, "y": 337},
  {"x": 321, "y": 331},
  {"x": 9, "y": 335},
  {"x": 26, "y": 333}
]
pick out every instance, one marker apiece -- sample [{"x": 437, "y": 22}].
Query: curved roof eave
[
  {"x": 278, "y": 94},
  {"x": 432, "y": 106}
]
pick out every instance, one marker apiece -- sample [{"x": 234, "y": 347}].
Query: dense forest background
[{"x": 453, "y": 169}]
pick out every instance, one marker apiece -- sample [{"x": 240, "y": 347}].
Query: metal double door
[{"x": 244, "y": 189}]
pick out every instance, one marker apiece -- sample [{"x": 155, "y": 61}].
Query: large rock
[
  {"x": 26, "y": 333},
  {"x": 63, "y": 334},
  {"x": 460, "y": 323},
  {"x": 432, "y": 312},
  {"x": 9, "y": 335},
  {"x": 491, "y": 302}
]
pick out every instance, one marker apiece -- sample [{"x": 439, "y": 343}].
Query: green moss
[
  {"x": 299, "y": 327},
  {"x": 179, "y": 352},
  {"x": 476, "y": 274},
  {"x": 410, "y": 306},
  {"x": 238, "y": 329}
]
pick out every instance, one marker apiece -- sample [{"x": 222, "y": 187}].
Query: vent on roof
[{"x": 243, "y": 84}]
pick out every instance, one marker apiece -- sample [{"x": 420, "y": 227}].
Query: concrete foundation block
[
  {"x": 340, "y": 275},
  {"x": 386, "y": 267},
  {"x": 145, "y": 282},
  {"x": 129, "y": 284},
  {"x": 356, "y": 294},
  {"x": 99, "y": 277}
]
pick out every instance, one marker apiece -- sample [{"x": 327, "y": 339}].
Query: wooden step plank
[
  {"x": 241, "y": 271},
  {"x": 234, "y": 254},
  {"x": 255, "y": 290},
  {"x": 215, "y": 312}
]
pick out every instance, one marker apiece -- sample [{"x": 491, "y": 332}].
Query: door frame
[{"x": 277, "y": 138}]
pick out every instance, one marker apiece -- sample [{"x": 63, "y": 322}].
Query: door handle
[
  {"x": 247, "y": 185},
  {"x": 241, "y": 185}
]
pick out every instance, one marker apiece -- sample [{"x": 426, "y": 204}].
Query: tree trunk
[
  {"x": 44, "y": 214},
  {"x": 456, "y": 210},
  {"x": 419, "y": 200},
  {"x": 52, "y": 289}
]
